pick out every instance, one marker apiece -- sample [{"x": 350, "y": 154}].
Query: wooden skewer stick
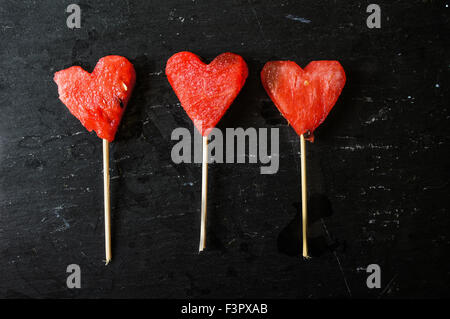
[
  {"x": 304, "y": 197},
  {"x": 107, "y": 201},
  {"x": 204, "y": 194}
]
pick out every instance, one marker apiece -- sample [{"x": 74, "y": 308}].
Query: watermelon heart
[
  {"x": 206, "y": 90},
  {"x": 98, "y": 99},
  {"x": 304, "y": 97}
]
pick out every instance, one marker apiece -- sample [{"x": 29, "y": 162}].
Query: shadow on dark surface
[
  {"x": 131, "y": 125},
  {"x": 289, "y": 240}
]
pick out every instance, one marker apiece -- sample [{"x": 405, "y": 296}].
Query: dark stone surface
[{"x": 379, "y": 167}]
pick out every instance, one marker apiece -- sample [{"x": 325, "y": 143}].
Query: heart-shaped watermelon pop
[
  {"x": 206, "y": 90},
  {"x": 304, "y": 97},
  {"x": 98, "y": 99}
]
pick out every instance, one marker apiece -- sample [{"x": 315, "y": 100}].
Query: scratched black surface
[{"x": 378, "y": 170}]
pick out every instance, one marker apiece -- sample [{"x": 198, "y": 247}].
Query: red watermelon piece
[
  {"x": 304, "y": 97},
  {"x": 206, "y": 90},
  {"x": 98, "y": 99}
]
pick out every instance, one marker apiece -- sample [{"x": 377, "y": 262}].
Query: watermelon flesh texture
[
  {"x": 206, "y": 91},
  {"x": 304, "y": 97},
  {"x": 98, "y": 99}
]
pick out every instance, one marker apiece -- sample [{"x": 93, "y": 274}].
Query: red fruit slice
[
  {"x": 98, "y": 99},
  {"x": 304, "y": 97},
  {"x": 206, "y": 90}
]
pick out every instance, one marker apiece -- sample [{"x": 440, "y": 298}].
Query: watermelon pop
[
  {"x": 205, "y": 92},
  {"x": 304, "y": 98},
  {"x": 98, "y": 100}
]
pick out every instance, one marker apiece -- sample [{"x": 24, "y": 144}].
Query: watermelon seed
[
  {"x": 307, "y": 134},
  {"x": 121, "y": 103}
]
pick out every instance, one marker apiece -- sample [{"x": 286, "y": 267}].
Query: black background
[{"x": 378, "y": 170}]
